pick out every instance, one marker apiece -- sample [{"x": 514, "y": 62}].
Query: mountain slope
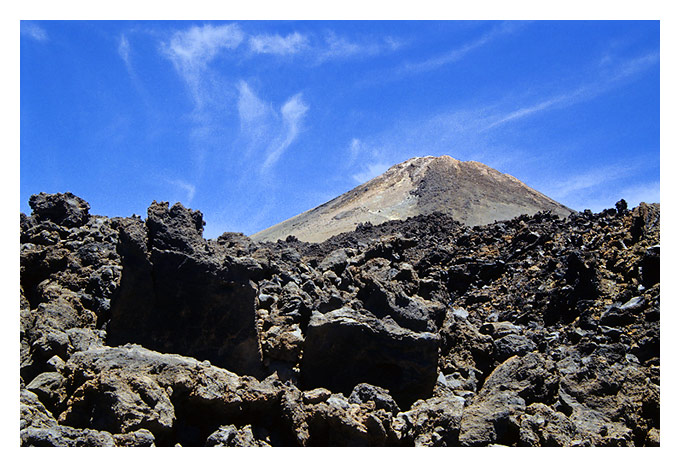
[{"x": 470, "y": 192}]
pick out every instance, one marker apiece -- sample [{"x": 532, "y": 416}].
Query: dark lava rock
[
  {"x": 177, "y": 298},
  {"x": 62, "y": 209},
  {"x": 344, "y": 348},
  {"x": 380, "y": 397},
  {"x": 537, "y": 331},
  {"x": 512, "y": 344}
]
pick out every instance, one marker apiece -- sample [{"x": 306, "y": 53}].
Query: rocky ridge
[{"x": 537, "y": 331}]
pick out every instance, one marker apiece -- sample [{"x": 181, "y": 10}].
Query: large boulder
[
  {"x": 39, "y": 428},
  {"x": 494, "y": 416},
  {"x": 61, "y": 208},
  {"x": 432, "y": 422},
  {"x": 320, "y": 418},
  {"x": 175, "y": 297},
  {"x": 345, "y": 347},
  {"x": 129, "y": 388}
]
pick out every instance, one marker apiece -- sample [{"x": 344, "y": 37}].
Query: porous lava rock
[{"x": 536, "y": 331}]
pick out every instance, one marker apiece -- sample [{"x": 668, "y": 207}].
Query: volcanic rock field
[{"x": 537, "y": 331}]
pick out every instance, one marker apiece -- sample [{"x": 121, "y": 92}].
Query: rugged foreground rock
[{"x": 538, "y": 331}]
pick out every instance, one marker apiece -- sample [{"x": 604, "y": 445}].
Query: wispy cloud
[
  {"x": 124, "y": 50},
  {"x": 607, "y": 192},
  {"x": 370, "y": 171},
  {"x": 277, "y": 44},
  {"x": 467, "y": 133},
  {"x": 33, "y": 31},
  {"x": 292, "y": 113},
  {"x": 268, "y": 131},
  {"x": 192, "y": 50},
  {"x": 367, "y": 161},
  {"x": 189, "y": 189},
  {"x": 610, "y": 75},
  {"x": 622, "y": 69},
  {"x": 461, "y": 51},
  {"x": 255, "y": 115},
  {"x": 334, "y": 46},
  {"x": 196, "y": 47},
  {"x": 567, "y": 98},
  {"x": 582, "y": 181},
  {"x": 354, "y": 150}
]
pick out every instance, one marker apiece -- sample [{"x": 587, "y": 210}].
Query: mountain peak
[{"x": 469, "y": 191}]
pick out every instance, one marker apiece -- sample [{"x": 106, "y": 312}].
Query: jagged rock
[
  {"x": 39, "y": 428},
  {"x": 64, "y": 436},
  {"x": 128, "y": 388},
  {"x": 139, "y": 438},
  {"x": 63, "y": 209},
  {"x": 119, "y": 401},
  {"x": 382, "y": 295},
  {"x": 230, "y": 436},
  {"x": 432, "y": 422},
  {"x": 499, "y": 329},
  {"x": 465, "y": 352},
  {"x": 283, "y": 342},
  {"x": 335, "y": 261},
  {"x": 315, "y": 396},
  {"x": 530, "y": 332},
  {"x": 334, "y": 421},
  {"x": 494, "y": 415},
  {"x": 608, "y": 403},
  {"x": 512, "y": 344},
  {"x": 543, "y": 426},
  {"x": 176, "y": 228},
  {"x": 34, "y": 414},
  {"x": 176, "y": 298},
  {"x": 50, "y": 389},
  {"x": 344, "y": 348},
  {"x": 382, "y": 399}
]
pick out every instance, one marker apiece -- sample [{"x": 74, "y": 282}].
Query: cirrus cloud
[{"x": 278, "y": 45}]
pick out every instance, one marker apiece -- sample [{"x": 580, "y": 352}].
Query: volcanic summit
[{"x": 468, "y": 191}]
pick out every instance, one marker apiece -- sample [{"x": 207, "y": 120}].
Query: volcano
[{"x": 468, "y": 191}]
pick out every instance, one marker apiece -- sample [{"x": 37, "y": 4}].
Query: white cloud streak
[
  {"x": 196, "y": 47},
  {"x": 369, "y": 172},
  {"x": 252, "y": 110},
  {"x": 611, "y": 76},
  {"x": 278, "y": 45},
  {"x": 269, "y": 132},
  {"x": 354, "y": 148},
  {"x": 292, "y": 113},
  {"x": 192, "y": 50},
  {"x": 338, "y": 47},
  {"x": 568, "y": 98},
  {"x": 124, "y": 50},
  {"x": 33, "y": 31},
  {"x": 460, "y": 52},
  {"x": 567, "y": 187},
  {"x": 189, "y": 189}
]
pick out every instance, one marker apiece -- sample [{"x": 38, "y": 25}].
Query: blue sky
[{"x": 253, "y": 122}]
